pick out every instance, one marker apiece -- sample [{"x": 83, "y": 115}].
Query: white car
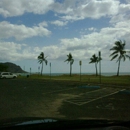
[{"x": 5, "y": 75}]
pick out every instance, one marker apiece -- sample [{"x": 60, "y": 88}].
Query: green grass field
[{"x": 115, "y": 80}]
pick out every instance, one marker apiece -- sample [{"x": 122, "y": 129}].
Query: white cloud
[
  {"x": 59, "y": 23},
  {"x": 20, "y": 32},
  {"x": 103, "y": 40},
  {"x": 10, "y": 51},
  {"x": 43, "y": 24},
  {"x": 75, "y": 10},
  {"x": 92, "y": 29},
  {"x": 70, "y": 9},
  {"x": 124, "y": 8},
  {"x": 122, "y": 15},
  {"x": 117, "y": 18},
  {"x": 19, "y": 7},
  {"x": 81, "y": 48}
]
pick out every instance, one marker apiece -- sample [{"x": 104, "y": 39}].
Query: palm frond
[
  {"x": 119, "y": 50},
  {"x": 127, "y": 56},
  {"x": 66, "y": 60},
  {"x": 114, "y": 57},
  {"x": 45, "y": 57},
  {"x": 40, "y": 61},
  {"x": 72, "y": 61},
  {"x": 91, "y": 58},
  {"x": 115, "y": 52},
  {"x": 69, "y": 59},
  {"x": 93, "y": 55},
  {"x": 100, "y": 58},
  {"x": 91, "y": 62},
  {"x": 46, "y": 62},
  {"x": 114, "y": 48},
  {"x": 94, "y": 59},
  {"x": 41, "y": 58},
  {"x": 118, "y": 43}
]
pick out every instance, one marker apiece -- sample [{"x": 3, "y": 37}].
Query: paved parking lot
[{"x": 40, "y": 98}]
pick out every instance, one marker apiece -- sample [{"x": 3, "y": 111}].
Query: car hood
[{"x": 39, "y": 120}]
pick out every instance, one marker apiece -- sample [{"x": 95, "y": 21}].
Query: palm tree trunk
[
  {"x": 42, "y": 68},
  {"x": 70, "y": 69},
  {"x": 96, "y": 68},
  {"x": 118, "y": 67}
]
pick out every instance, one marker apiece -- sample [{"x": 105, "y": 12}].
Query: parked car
[
  {"x": 5, "y": 75},
  {"x": 24, "y": 74}
]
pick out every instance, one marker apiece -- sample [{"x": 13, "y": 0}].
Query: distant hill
[{"x": 11, "y": 67}]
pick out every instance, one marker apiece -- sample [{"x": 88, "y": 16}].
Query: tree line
[{"x": 118, "y": 51}]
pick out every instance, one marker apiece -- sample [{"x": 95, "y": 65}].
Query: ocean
[
  {"x": 58, "y": 74},
  {"x": 104, "y": 74}
]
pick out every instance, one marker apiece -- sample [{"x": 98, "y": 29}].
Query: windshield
[{"x": 65, "y": 59}]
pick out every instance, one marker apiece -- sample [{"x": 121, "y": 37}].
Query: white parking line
[
  {"x": 101, "y": 97},
  {"x": 82, "y": 94},
  {"x": 79, "y": 104}
]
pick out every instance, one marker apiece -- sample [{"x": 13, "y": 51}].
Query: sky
[{"x": 60, "y": 27}]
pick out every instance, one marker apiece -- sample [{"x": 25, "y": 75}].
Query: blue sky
[{"x": 60, "y": 27}]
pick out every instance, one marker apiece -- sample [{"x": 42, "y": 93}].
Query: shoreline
[{"x": 83, "y": 74}]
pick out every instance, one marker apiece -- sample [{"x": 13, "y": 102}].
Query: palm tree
[
  {"x": 42, "y": 58},
  {"x": 71, "y": 60},
  {"x": 95, "y": 59},
  {"x": 119, "y": 53}
]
